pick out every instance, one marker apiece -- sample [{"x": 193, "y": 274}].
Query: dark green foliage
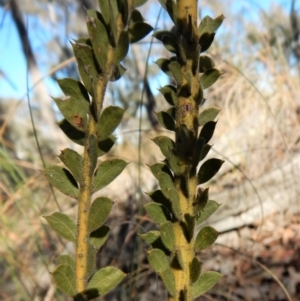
[{"x": 86, "y": 123}]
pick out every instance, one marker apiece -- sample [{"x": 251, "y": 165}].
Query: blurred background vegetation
[{"x": 258, "y": 135}]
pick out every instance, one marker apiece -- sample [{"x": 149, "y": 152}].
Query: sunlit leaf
[
  {"x": 64, "y": 278},
  {"x": 63, "y": 180},
  {"x": 63, "y": 225},
  {"x": 158, "y": 260},
  {"x": 107, "y": 171},
  {"x": 205, "y": 238},
  {"x": 109, "y": 119},
  {"x": 205, "y": 282},
  {"x": 99, "y": 212},
  {"x": 209, "y": 209},
  {"x": 104, "y": 281},
  {"x": 73, "y": 161}
]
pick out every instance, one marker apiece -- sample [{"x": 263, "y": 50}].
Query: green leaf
[
  {"x": 71, "y": 132},
  {"x": 166, "y": 120},
  {"x": 208, "y": 169},
  {"x": 205, "y": 41},
  {"x": 156, "y": 212},
  {"x": 165, "y": 144},
  {"x": 198, "y": 150},
  {"x": 164, "y": 33},
  {"x": 108, "y": 121},
  {"x": 205, "y": 282},
  {"x": 138, "y": 31},
  {"x": 175, "y": 69},
  {"x": 73, "y": 161},
  {"x": 117, "y": 72},
  {"x": 207, "y": 131},
  {"x": 165, "y": 180},
  {"x": 64, "y": 278},
  {"x": 87, "y": 65},
  {"x": 99, "y": 212},
  {"x": 75, "y": 104},
  {"x": 169, "y": 93},
  {"x": 168, "y": 279},
  {"x": 209, "y": 77},
  {"x": 105, "y": 145},
  {"x": 189, "y": 226},
  {"x": 104, "y": 281},
  {"x": 106, "y": 172},
  {"x": 105, "y": 10},
  {"x": 210, "y": 25},
  {"x": 195, "y": 269},
  {"x": 91, "y": 261},
  {"x": 63, "y": 180},
  {"x": 98, "y": 237},
  {"x": 137, "y": 3},
  {"x": 150, "y": 237},
  {"x": 172, "y": 10},
  {"x": 122, "y": 47},
  {"x": 207, "y": 115},
  {"x": 170, "y": 43},
  {"x": 205, "y": 238},
  {"x": 99, "y": 38},
  {"x": 158, "y": 260},
  {"x": 63, "y": 225},
  {"x": 158, "y": 197},
  {"x": 201, "y": 199},
  {"x": 67, "y": 260},
  {"x": 209, "y": 209},
  {"x": 167, "y": 235},
  {"x": 136, "y": 16},
  {"x": 163, "y": 64},
  {"x": 205, "y": 63},
  {"x": 206, "y": 148}
]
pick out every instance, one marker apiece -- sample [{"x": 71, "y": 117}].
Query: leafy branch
[{"x": 86, "y": 123}]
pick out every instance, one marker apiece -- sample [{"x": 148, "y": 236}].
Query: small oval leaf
[
  {"x": 205, "y": 282},
  {"x": 156, "y": 213},
  {"x": 107, "y": 171},
  {"x": 208, "y": 169},
  {"x": 63, "y": 180},
  {"x": 168, "y": 279},
  {"x": 104, "y": 281},
  {"x": 63, "y": 225},
  {"x": 205, "y": 63},
  {"x": 209, "y": 77},
  {"x": 158, "y": 260},
  {"x": 99, "y": 212},
  {"x": 71, "y": 132},
  {"x": 98, "y": 237},
  {"x": 166, "y": 120},
  {"x": 66, "y": 259},
  {"x": 167, "y": 235},
  {"x": 207, "y": 115},
  {"x": 73, "y": 161},
  {"x": 108, "y": 121},
  {"x": 209, "y": 209},
  {"x": 207, "y": 131},
  {"x": 64, "y": 278},
  {"x": 205, "y": 238},
  {"x": 169, "y": 93},
  {"x": 138, "y": 31}
]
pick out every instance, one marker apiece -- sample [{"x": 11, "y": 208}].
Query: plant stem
[
  {"x": 186, "y": 117},
  {"x": 89, "y": 164}
]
